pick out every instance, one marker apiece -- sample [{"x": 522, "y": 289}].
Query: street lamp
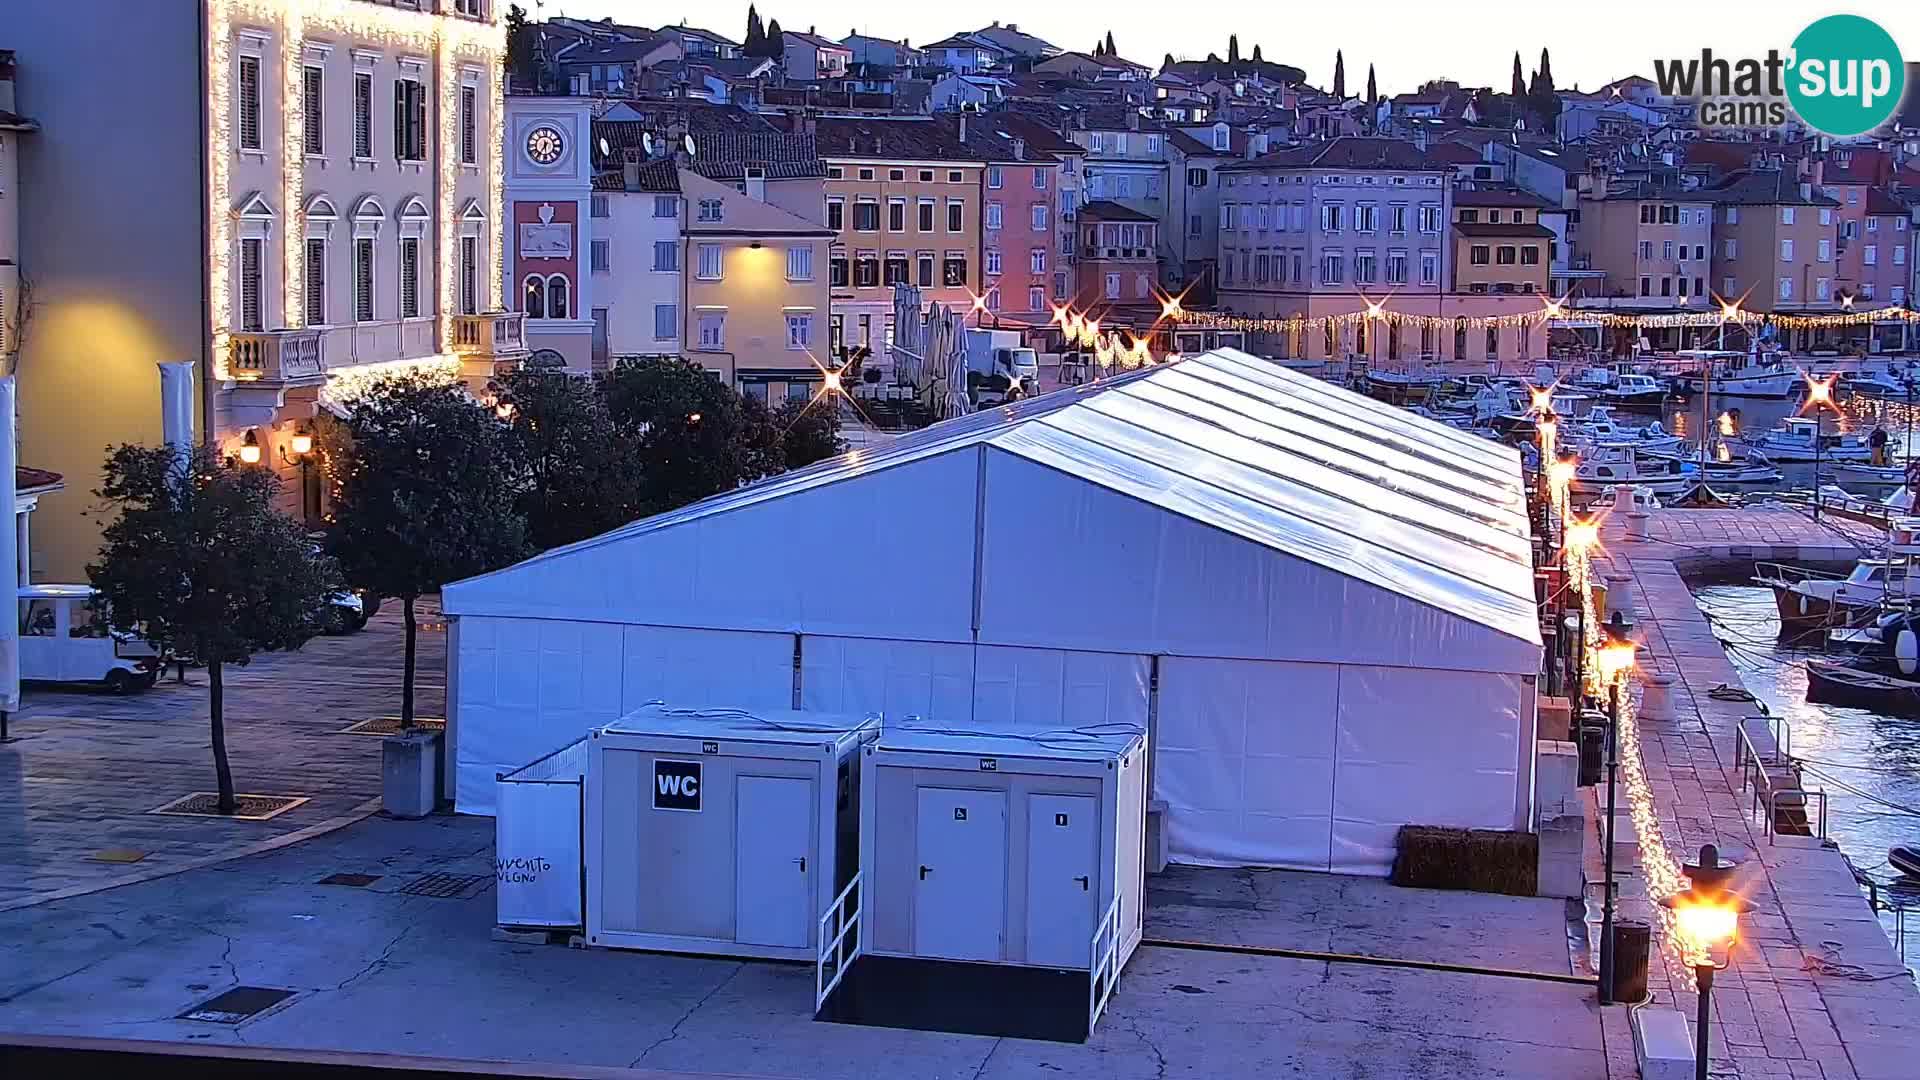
[
  {"x": 1819, "y": 398},
  {"x": 299, "y": 451},
  {"x": 1614, "y": 660},
  {"x": 250, "y": 449},
  {"x": 1706, "y": 916}
]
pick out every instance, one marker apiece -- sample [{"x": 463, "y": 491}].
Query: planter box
[{"x": 409, "y": 771}]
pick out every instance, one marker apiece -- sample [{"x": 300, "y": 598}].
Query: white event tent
[{"x": 1320, "y": 606}]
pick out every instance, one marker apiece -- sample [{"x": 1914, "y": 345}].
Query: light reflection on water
[
  {"x": 1737, "y": 416},
  {"x": 1878, "y": 755}
]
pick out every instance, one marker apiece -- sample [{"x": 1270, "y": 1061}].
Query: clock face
[{"x": 544, "y": 145}]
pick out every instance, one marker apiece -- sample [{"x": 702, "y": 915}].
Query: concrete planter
[{"x": 410, "y": 768}]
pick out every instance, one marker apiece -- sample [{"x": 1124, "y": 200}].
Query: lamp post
[
  {"x": 1819, "y": 399},
  {"x": 1615, "y": 660},
  {"x": 1706, "y": 915},
  {"x": 299, "y": 451}
]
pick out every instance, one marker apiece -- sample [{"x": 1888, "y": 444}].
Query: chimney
[
  {"x": 1806, "y": 190},
  {"x": 1019, "y": 148},
  {"x": 1133, "y": 119},
  {"x": 630, "y": 171},
  {"x": 1014, "y": 26},
  {"x": 6, "y": 81},
  {"x": 963, "y": 118},
  {"x": 756, "y": 183}
]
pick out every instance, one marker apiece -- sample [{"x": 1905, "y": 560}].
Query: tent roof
[{"x": 1300, "y": 466}]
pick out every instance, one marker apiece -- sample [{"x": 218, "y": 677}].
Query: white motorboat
[
  {"x": 1799, "y": 438},
  {"x": 1599, "y": 426},
  {"x": 1882, "y": 384},
  {"x": 1856, "y": 473},
  {"x": 1738, "y": 374},
  {"x": 1603, "y": 465},
  {"x": 1813, "y": 600},
  {"x": 1754, "y": 469},
  {"x": 1634, "y": 389}
]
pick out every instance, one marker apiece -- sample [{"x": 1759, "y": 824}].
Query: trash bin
[
  {"x": 1631, "y": 941},
  {"x": 1593, "y": 750}
]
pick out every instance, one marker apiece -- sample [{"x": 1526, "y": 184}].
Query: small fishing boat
[
  {"x": 1752, "y": 469},
  {"x": 1870, "y": 474},
  {"x": 1799, "y": 438},
  {"x": 1904, "y": 860},
  {"x": 1881, "y": 384},
  {"x": 1863, "y": 682},
  {"x": 1603, "y": 465},
  {"x": 1738, "y": 374},
  {"x": 1402, "y": 387},
  {"x": 1811, "y": 600},
  {"x": 1635, "y": 389},
  {"x": 1599, "y": 426}
]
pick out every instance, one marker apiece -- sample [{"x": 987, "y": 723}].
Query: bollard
[
  {"x": 1656, "y": 701},
  {"x": 1623, "y": 496},
  {"x": 1631, "y": 945},
  {"x": 1637, "y": 524},
  {"x": 1619, "y": 596}
]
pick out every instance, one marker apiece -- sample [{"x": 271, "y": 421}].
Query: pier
[{"x": 1815, "y": 990}]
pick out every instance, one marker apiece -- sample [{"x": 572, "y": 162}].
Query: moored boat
[{"x": 1799, "y": 438}]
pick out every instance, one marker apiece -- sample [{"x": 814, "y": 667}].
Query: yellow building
[
  {"x": 1499, "y": 244},
  {"x": 756, "y": 289}
]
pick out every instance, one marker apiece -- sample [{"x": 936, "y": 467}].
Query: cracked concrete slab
[{"x": 378, "y": 970}]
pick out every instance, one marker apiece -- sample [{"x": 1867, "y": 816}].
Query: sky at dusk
[{"x": 1408, "y": 42}]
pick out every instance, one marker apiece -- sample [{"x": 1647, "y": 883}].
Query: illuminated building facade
[{"x": 294, "y": 194}]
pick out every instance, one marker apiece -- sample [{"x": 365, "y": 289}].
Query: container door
[
  {"x": 773, "y": 843},
  {"x": 1063, "y": 879},
  {"x": 960, "y": 894}
]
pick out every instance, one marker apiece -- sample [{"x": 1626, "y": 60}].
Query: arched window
[
  {"x": 1326, "y": 331},
  {"x": 1493, "y": 343},
  {"x": 534, "y": 302},
  {"x": 557, "y": 297},
  {"x": 1393, "y": 341},
  {"x": 1459, "y": 339}
]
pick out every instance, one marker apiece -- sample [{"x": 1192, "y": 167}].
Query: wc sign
[{"x": 676, "y": 785}]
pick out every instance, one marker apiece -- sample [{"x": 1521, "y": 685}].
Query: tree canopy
[
  {"x": 579, "y": 480},
  {"x": 201, "y": 564},
  {"x": 686, "y": 430}
]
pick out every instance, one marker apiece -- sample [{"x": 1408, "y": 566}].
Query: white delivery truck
[{"x": 1000, "y": 367}]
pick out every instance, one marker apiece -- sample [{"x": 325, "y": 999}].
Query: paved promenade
[
  {"x": 83, "y": 769},
  {"x": 1815, "y": 991}
]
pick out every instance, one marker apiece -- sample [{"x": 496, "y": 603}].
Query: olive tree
[
  {"x": 200, "y": 563},
  {"x": 427, "y": 485}
]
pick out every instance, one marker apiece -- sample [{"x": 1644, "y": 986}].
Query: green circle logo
[{"x": 1846, "y": 76}]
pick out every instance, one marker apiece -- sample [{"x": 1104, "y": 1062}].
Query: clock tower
[{"x": 549, "y": 186}]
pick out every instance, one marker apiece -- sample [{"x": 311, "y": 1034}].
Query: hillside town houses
[{"x": 336, "y": 189}]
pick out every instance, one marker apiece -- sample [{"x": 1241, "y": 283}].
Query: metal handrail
[
  {"x": 1793, "y": 575},
  {"x": 844, "y": 922},
  {"x": 1753, "y": 774},
  {"x": 1102, "y": 976}
]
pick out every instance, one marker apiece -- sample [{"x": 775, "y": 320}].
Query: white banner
[{"x": 537, "y": 853}]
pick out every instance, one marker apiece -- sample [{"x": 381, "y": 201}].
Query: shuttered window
[
  {"x": 249, "y": 103},
  {"x": 469, "y": 102},
  {"x": 363, "y": 279},
  {"x": 409, "y": 120},
  {"x": 363, "y": 114},
  {"x": 410, "y": 277},
  {"x": 315, "y": 282},
  {"x": 312, "y": 101},
  {"x": 250, "y": 285}
]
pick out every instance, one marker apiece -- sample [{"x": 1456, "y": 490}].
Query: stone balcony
[
  {"x": 262, "y": 366},
  {"x": 501, "y": 334}
]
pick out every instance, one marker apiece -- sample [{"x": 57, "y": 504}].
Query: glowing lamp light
[
  {"x": 1582, "y": 534},
  {"x": 1729, "y": 312},
  {"x": 1555, "y": 307},
  {"x": 1726, "y": 424},
  {"x": 1542, "y": 397},
  {"x": 1061, "y": 313},
  {"x": 693, "y": 418},
  {"x": 1706, "y": 926},
  {"x": 831, "y": 381},
  {"x": 250, "y": 448},
  {"x": 1820, "y": 391},
  {"x": 301, "y": 444},
  {"x": 1615, "y": 657},
  {"x": 1846, "y": 301},
  {"x": 1549, "y": 430},
  {"x": 1560, "y": 472},
  {"x": 1706, "y": 913},
  {"x": 1376, "y": 308},
  {"x": 1170, "y": 308}
]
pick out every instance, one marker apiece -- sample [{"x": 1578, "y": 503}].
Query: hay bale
[{"x": 1470, "y": 860}]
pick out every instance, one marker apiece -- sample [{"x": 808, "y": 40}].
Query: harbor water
[{"x": 1868, "y": 764}]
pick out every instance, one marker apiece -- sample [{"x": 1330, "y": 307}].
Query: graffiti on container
[{"x": 520, "y": 871}]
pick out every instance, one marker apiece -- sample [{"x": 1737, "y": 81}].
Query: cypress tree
[{"x": 1339, "y": 75}]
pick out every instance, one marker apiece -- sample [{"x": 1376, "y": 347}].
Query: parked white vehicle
[{"x": 55, "y": 646}]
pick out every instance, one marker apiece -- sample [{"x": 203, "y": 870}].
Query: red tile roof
[
  {"x": 27, "y": 479},
  {"x": 1346, "y": 152}
]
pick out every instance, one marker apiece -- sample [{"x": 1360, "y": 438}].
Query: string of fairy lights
[
  {"x": 1550, "y": 313},
  {"x": 455, "y": 45},
  {"x": 1600, "y": 675}
]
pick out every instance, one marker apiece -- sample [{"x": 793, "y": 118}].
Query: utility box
[
  {"x": 725, "y": 831},
  {"x": 1002, "y": 882}
]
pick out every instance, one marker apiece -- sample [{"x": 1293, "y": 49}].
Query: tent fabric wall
[
  {"x": 528, "y": 686},
  {"x": 1057, "y": 688},
  {"x": 896, "y": 679},
  {"x": 1316, "y": 766}
]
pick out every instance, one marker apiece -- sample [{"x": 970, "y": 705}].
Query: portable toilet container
[
  {"x": 1001, "y": 882},
  {"x": 717, "y": 830}
]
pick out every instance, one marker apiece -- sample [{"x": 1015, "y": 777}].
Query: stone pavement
[
  {"x": 83, "y": 769},
  {"x": 380, "y": 970},
  {"x": 1814, "y": 991}
]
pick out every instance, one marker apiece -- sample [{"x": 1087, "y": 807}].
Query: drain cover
[
  {"x": 447, "y": 886},
  {"x": 237, "y": 1005},
  {"x": 118, "y": 855},
  {"x": 352, "y": 881}
]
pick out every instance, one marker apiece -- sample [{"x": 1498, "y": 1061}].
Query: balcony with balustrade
[{"x": 490, "y": 343}]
